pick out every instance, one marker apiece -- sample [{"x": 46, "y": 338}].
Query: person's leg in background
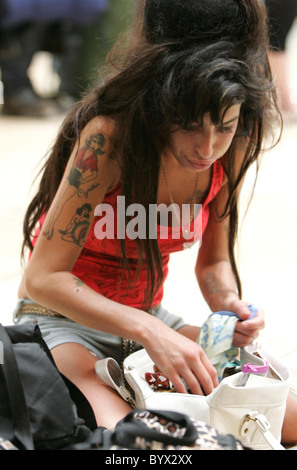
[
  {"x": 18, "y": 48},
  {"x": 281, "y": 16}
]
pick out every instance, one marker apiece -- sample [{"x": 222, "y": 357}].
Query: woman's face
[{"x": 198, "y": 148}]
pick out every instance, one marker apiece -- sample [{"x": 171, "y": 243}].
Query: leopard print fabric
[{"x": 207, "y": 437}]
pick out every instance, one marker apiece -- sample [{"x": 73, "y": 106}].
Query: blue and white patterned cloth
[{"x": 216, "y": 338}]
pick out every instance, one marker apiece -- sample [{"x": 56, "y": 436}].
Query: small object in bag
[
  {"x": 232, "y": 368},
  {"x": 157, "y": 381},
  {"x": 248, "y": 369},
  {"x": 160, "y": 383}
]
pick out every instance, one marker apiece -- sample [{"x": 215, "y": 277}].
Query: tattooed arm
[
  {"x": 82, "y": 168},
  {"x": 71, "y": 214},
  {"x": 213, "y": 268},
  {"x": 215, "y": 275}
]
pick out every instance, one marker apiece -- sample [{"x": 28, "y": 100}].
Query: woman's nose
[{"x": 205, "y": 145}]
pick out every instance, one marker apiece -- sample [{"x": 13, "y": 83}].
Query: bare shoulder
[
  {"x": 103, "y": 124},
  {"x": 101, "y": 129}
]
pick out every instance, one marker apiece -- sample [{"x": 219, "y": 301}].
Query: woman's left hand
[{"x": 246, "y": 329}]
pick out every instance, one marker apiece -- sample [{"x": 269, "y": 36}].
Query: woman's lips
[{"x": 200, "y": 164}]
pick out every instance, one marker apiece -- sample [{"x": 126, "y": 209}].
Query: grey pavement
[{"x": 267, "y": 245}]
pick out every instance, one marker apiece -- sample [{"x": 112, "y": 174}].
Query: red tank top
[{"x": 99, "y": 264}]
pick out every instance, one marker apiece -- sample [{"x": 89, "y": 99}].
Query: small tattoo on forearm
[
  {"x": 211, "y": 284},
  {"x": 78, "y": 285}
]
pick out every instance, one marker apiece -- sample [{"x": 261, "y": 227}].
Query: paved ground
[{"x": 268, "y": 242}]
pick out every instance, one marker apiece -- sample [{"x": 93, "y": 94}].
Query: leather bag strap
[{"x": 263, "y": 426}]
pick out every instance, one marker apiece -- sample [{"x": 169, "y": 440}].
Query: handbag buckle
[
  {"x": 258, "y": 419},
  {"x": 264, "y": 426}
]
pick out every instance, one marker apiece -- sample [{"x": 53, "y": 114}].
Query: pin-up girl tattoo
[{"x": 83, "y": 172}]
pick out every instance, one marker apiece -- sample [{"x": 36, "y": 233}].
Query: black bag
[{"x": 39, "y": 408}]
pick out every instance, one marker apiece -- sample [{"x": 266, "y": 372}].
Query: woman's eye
[
  {"x": 227, "y": 129},
  {"x": 194, "y": 128}
]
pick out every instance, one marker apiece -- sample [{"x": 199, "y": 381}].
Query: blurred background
[{"x": 47, "y": 62}]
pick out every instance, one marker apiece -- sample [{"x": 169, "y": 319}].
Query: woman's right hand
[{"x": 181, "y": 358}]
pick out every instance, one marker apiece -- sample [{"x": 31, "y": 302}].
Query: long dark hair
[{"x": 184, "y": 58}]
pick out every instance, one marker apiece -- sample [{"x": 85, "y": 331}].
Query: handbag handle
[
  {"x": 109, "y": 371},
  {"x": 18, "y": 406}
]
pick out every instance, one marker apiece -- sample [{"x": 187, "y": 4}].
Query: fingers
[
  {"x": 206, "y": 376},
  {"x": 247, "y": 331},
  {"x": 250, "y": 324},
  {"x": 242, "y": 310},
  {"x": 200, "y": 376},
  {"x": 241, "y": 340}
]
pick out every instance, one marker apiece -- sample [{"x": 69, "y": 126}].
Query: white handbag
[{"x": 252, "y": 413}]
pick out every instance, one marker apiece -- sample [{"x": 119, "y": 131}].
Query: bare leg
[
  {"x": 289, "y": 430},
  {"x": 78, "y": 365}
]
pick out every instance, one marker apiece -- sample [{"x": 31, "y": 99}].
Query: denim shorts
[{"x": 56, "y": 331}]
